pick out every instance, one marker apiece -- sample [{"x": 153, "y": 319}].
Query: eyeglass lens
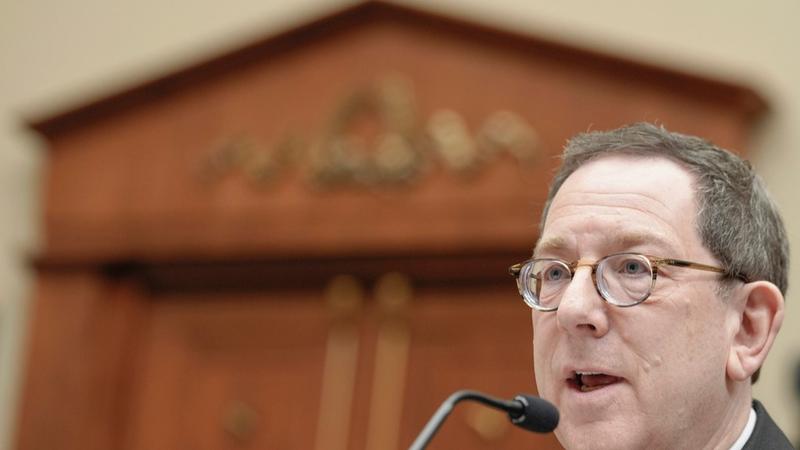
[{"x": 623, "y": 279}]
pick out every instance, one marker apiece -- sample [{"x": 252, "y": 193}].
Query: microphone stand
[{"x": 513, "y": 408}]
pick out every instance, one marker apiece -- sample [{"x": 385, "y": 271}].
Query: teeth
[
  {"x": 587, "y": 381},
  {"x": 584, "y": 388}
]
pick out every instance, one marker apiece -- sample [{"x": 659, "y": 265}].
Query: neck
[{"x": 732, "y": 419}]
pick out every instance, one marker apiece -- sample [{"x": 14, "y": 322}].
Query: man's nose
[{"x": 582, "y": 310}]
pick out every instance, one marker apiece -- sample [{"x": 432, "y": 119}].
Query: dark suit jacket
[{"x": 766, "y": 435}]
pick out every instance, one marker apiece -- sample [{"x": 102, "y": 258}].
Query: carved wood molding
[{"x": 376, "y": 137}]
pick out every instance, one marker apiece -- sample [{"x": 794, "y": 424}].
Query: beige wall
[{"x": 56, "y": 54}]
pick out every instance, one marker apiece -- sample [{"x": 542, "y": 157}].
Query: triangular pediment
[
  {"x": 377, "y": 14},
  {"x": 350, "y": 133}
]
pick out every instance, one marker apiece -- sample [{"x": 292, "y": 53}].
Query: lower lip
[{"x": 594, "y": 396}]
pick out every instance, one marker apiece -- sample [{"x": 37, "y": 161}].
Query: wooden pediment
[{"x": 376, "y": 130}]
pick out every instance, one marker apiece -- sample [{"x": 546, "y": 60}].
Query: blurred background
[{"x": 57, "y": 56}]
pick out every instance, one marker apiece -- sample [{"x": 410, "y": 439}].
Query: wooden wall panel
[
  {"x": 181, "y": 300},
  {"x": 81, "y": 358}
]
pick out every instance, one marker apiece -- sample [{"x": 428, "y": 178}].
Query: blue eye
[
  {"x": 633, "y": 267},
  {"x": 555, "y": 273}
]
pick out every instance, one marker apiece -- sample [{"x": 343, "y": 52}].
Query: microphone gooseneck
[{"x": 526, "y": 411}]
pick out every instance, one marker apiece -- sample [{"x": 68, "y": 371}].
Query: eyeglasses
[{"x": 621, "y": 279}]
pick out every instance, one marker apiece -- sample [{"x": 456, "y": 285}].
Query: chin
[
  {"x": 587, "y": 441},
  {"x": 599, "y": 436}
]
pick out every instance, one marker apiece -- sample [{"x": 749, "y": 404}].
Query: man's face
[{"x": 659, "y": 366}]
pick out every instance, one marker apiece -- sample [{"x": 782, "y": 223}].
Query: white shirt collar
[{"x": 747, "y": 432}]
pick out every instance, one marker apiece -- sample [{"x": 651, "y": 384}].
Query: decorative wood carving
[{"x": 402, "y": 148}]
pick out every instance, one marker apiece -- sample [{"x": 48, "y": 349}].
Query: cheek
[
  {"x": 543, "y": 347},
  {"x": 646, "y": 342},
  {"x": 679, "y": 339},
  {"x": 545, "y": 331},
  {"x": 655, "y": 335},
  {"x": 707, "y": 338}
]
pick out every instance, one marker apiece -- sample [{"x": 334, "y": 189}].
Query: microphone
[{"x": 526, "y": 411}]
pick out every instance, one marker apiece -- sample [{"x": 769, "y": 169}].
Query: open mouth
[{"x": 591, "y": 381}]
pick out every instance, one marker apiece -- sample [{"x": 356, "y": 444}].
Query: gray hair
[{"x": 737, "y": 219}]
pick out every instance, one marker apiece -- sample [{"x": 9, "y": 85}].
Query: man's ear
[{"x": 761, "y": 318}]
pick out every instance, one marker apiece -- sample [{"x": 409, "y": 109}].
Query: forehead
[{"x": 622, "y": 201}]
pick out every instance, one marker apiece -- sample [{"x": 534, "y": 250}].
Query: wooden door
[
  {"x": 230, "y": 371},
  {"x": 353, "y": 361}
]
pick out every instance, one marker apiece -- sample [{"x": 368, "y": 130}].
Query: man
[{"x": 657, "y": 291}]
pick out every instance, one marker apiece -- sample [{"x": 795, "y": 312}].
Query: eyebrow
[
  {"x": 552, "y": 244},
  {"x": 620, "y": 241}
]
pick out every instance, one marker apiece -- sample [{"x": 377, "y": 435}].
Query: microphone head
[{"x": 537, "y": 415}]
